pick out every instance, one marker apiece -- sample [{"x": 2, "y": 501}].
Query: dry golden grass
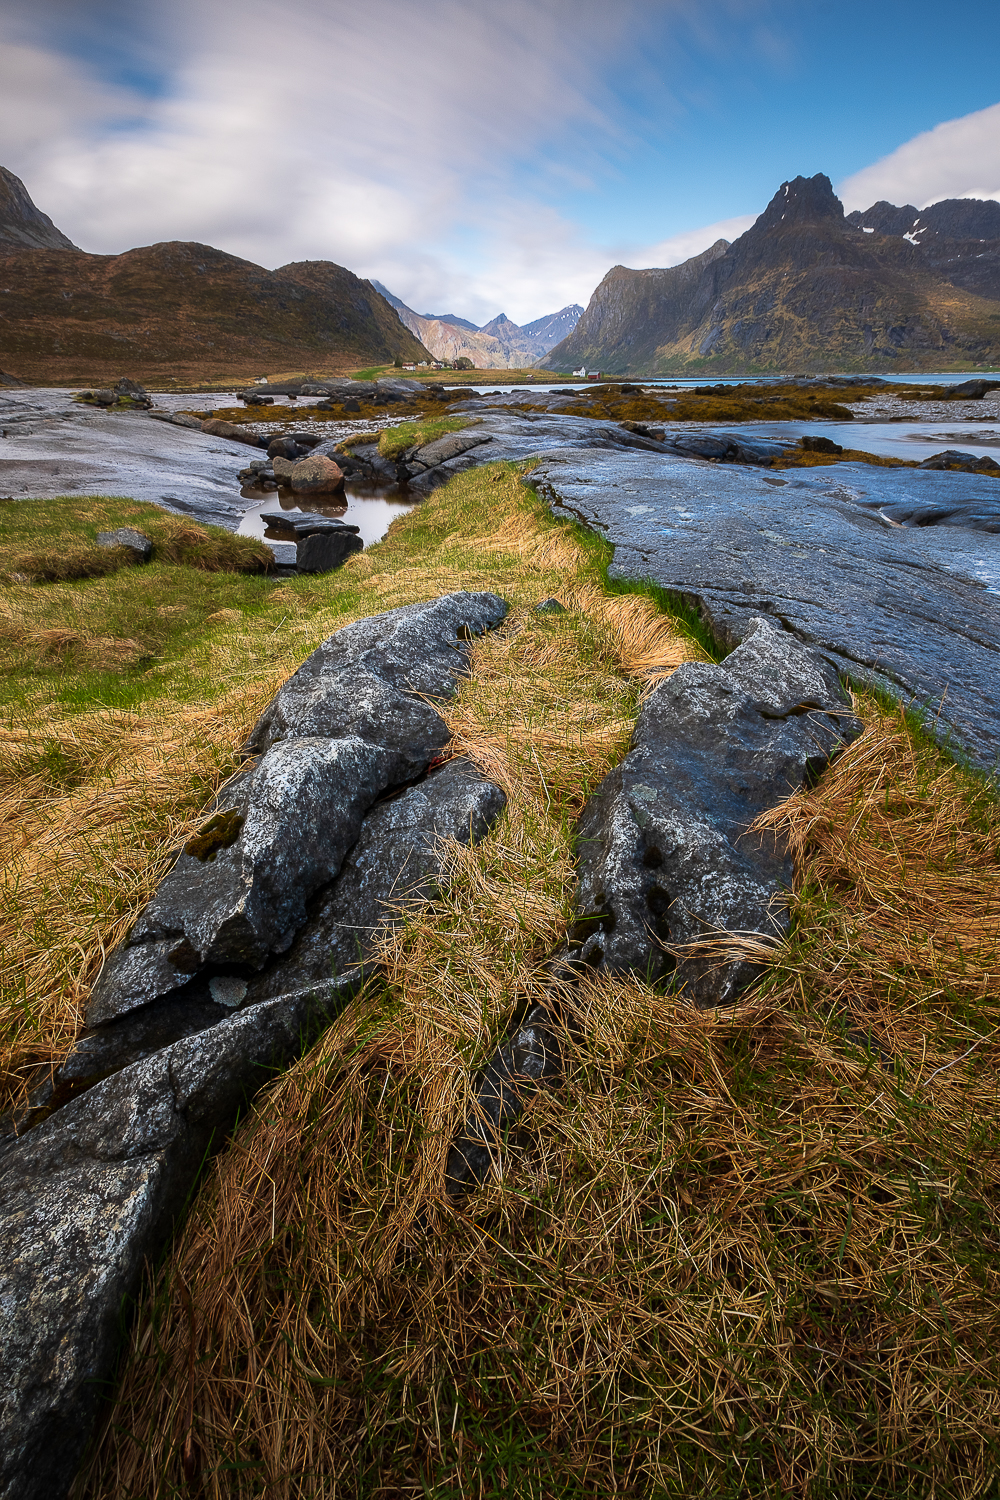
[
  {"x": 746, "y": 1253},
  {"x": 96, "y": 800}
]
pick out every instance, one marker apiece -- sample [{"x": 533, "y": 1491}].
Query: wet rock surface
[
  {"x": 344, "y": 729},
  {"x": 91, "y": 1187},
  {"x": 665, "y": 856},
  {"x": 397, "y": 859},
  {"x": 913, "y": 608},
  {"x": 87, "y": 1196}
]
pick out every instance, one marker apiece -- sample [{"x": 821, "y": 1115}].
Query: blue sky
[{"x": 479, "y": 155}]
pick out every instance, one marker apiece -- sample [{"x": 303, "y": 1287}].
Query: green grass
[
  {"x": 96, "y": 629},
  {"x": 395, "y": 440},
  {"x": 752, "y": 1253}
]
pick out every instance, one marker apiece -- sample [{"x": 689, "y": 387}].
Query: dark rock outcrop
[
  {"x": 343, "y": 730},
  {"x": 93, "y": 1185},
  {"x": 964, "y": 463},
  {"x": 86, "y": 1197},
  {"x": 322, "y": 551},
  {"x": 396, "y": 860},
  {"x": 665, "y": 856}
]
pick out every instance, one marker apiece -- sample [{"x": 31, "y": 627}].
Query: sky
[{"x": 480, "y": 156}]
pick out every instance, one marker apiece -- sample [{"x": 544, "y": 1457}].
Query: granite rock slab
[
  {"x": 396, "y": 861},
  {"x": 87, "y": 1196},
  {"x": 666, "y": 858},
  {"x": 350, "y": 724},
  {"x": 911, "y": 608}
]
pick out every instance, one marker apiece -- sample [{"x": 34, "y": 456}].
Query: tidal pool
[{"x": 370, "y": 509}]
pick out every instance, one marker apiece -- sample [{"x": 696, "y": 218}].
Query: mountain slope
[
  {"x": 554, "y": 327},
  {"x": 958, "y": 238},
  {"x": 187, "y": 311},
  {"x": 803, "y": 289},
  {"x": 22, "y": 225}
]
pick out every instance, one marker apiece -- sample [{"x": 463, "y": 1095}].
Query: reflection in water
[{"x": 370, "y": 509}]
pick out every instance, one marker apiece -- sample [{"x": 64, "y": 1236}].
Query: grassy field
[{"x": 753, "y": 1252}]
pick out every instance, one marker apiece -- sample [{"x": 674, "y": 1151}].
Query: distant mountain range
[
  {"x": 180, "y": 310},
  {"x": 809, "y": 289},
  {"x": 497, "y": 345}
]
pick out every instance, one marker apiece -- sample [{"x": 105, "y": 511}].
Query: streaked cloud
[{"x": 957, "y": 159}]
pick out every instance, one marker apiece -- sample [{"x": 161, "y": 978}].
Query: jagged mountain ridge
[
  {"x": 498, "y": 345},
  {"x": 802, "y": 289},
  {"x": 950, "y": 218},
  {"x": 959, "y": 238},
  {"x": 192, "y": 310},
  {"x": 22, "y": 225}
]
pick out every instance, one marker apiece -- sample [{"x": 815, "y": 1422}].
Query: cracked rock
[
  {"x": 348, "y": 726},
  {"x": 666, "y": 858}
]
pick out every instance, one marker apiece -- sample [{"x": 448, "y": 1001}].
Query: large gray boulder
[
  {"x": 350, "y": 724},
  {"x": 186, "y": 1029},
  {"x": 665, "y": 856}
]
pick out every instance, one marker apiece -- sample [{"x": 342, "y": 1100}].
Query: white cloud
[
  {"x": 679, "y": 247},
  {"x": 957, "y": 159},
  {"x": 391, "y": 138}
]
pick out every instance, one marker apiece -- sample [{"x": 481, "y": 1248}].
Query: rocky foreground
[{"x": 265, "y": 924}]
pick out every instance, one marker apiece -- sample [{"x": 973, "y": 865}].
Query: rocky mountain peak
[
  {"x": 500, "y": 325},
  {"x": 803, "y": 200},
  {"x": 22, "y": 225}
]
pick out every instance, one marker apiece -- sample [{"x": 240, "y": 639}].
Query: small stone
[
  {"x": 282, "y": 469},
  {"x": 105, "y": 398},
  {"x": 966, "y": 463},
  {"x": 317, "y": 475},
  {"x": 550, "y": 607},
  {"x": 325, "y": 550},
  {"x": 137, "y": 543},
  {"x": 226, "y": 989}
]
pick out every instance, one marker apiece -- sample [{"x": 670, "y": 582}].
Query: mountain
[
  {"x": 188, "y": 312},
  {"x": 959, "y": 238},
  {"x": 803, "y": 289},
  {"x": 443, "y": 317},
  {"x": 554, "y": 327},
  {"x": 21, "y": 223},
  {"x": 498, "y": 345},
  {"x": 952, "y": 218}
]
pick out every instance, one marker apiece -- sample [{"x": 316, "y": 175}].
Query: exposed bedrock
[
  {"x": 666, "y": 858},
  {"x": 343, "y": 730},
  {"x": 910, "y": 604},
  {"x": 209, "y": 995}
]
